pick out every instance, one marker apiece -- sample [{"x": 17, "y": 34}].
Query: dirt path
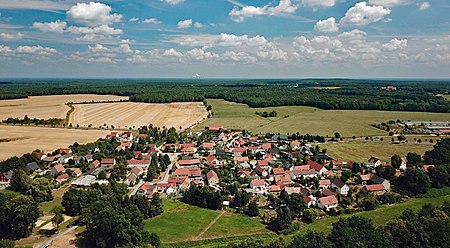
[{"x": 209, "y": 226}]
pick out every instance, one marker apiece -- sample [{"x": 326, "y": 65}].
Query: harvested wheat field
[
  {"x": 18, "y": 140},
  {"x": 129, "y": 114},
  {"x": 46, "y": 107}
]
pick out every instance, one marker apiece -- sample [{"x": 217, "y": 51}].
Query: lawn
[
  {"x": 47, "y": 207},
  {"x": 358, "y": 151},
  {"x": 181, "y": 222},
  {"x": 308, "y": 119}
]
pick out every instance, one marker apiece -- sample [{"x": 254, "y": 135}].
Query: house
[
  {"x": 317, "y": 167},
  {"x": 39, "y": 155},
  {"x": 189, "y": 162},
  {"x": 375, "y": 161},
  {"x": 127, "y": 136},
  {"x": 263, "y": 163},
  {"x": 95, "y": 164},
  {"x": 278, "y": 171},
  {"x": 310, "y": 200},
  {"x": 65, "y": 158},
  {"x": 132, "y": 178},
  {"x": 212, "y": 177},
  {"x": 109, "y": 162},
  {"x": 213, "y": 161},
  {"x": 377, "y": 189},
  {"x": 327, "y": 202},
  {"x": 324, "y": 184},
  {"x": 166, "y": 188},
  {"x": 275, "y": 189},
  {"x": 194, "y": 173},
  {"x": 216, "y": 129},
  {"x": 300, "y": 172},
  {"x": 136, "y": 162},
  {"x": 65, "y": 151},
  {"x": 295, "y": 145},
  {"x": 5, "y": 178},
  {"x": 379, "y": 180},
  {"x": 364, "y": 179},
  {"x": 62, "y": 178},
  {"x": 258, "y": 185},
  {"x": 208, "y": 145},
  {"x": 137, "y": 170},
  {"x": 77, "y": 172},
  {"x": 426, "y": 167},
  {"x": 238, "y": 151},
  {"x": 240, "y": 159},
  {"x": 30, "y": 167},
  {"x": 340, "y": 187},
  {"x": 58, "y": 168}
]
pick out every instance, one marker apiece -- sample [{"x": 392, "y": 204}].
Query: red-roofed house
[
  {"x": 278, "y": 171},
  {"x": 136, "y": 162},
  {"x": 194, "y": 173},
  {"x": 212, "y": 177},
  {"x": 58, "y": 168},
  {"x": 324, "y": 184},
  {"x": 258, "y": 185},
  {"x": 238, "y": 151},
  {"x": 62, "y": 178},
  {"x": 110, "y": 162},
  {"x": 427, "y": 166},
  {"x": 316, "y": 166},
  {"x": 216, "y": 128},
  {"x": 377, "y": 189},
  {"x": 213, "y": 161},
  {"x": 189, "y": 162},
  {"x": 328, "y": 202},
  {"x": 275, "y": 189},
  {"x": 208, "y": 145},
  {"x": 65, "y": 150},
  {"x": 263, "y": 163}
]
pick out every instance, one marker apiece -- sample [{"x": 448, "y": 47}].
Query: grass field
[
  {"x": 45, "y": 107},
  {"x": 308, "y": 120},
  {"x": 361, "y": 151},
  {"x": 130, "y": 114},
  {"x": 181, "y": 222},
  {"x": 379, "y": 216}
]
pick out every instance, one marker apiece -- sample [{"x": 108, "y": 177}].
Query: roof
[
  {"x": 427, "y": 166},
  {"x": 373, "y": 160},
  {"x": 366, "y": 177},
  {"x": 32, "y": 166},
  {"x": 188, "y": 171},
  {"x": 263, "y": 162},
  {"x": 278, "y": 171},
  {"x": 108, "y": 161},
  {"x": 189, "y": 162},
  {"x": 327, "y": 192},
  {"x": 63, "y": 176},
  {"x": 211, "y": 174},
  {"x": 376, "y": 179},
  {"x": 208, "y": 144},
  {"x": 241, "y": 159},
  {"x": 375, "y": 187},
  {"x": 258, "y": 182},
  {"x": 328, "y": 200},
  {"x": 136, "y": 161},
  {"x": 240, "y": 149},
  {"x": 274, "y": 188},
  {"x": 59, "y": 168},
  {"x": 215, "y": 128},
  {"x": 324, "y": 182},
  {"x": 314, "y": 165},
  {"x": 338, "y": 183}
]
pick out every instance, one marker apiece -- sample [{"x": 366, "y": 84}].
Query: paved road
[
  {"x": 136, "y": 187},
  {"x": 173, "y": 158},
  {"x": 49, "y": 242}
]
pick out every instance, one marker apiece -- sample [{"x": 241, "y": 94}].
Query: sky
[{"x": 225, "y": 38}]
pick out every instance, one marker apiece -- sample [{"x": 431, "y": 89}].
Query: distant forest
[{"x": 347, "y": 94}]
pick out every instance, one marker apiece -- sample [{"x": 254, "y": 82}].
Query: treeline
[
  {"x": 429, "y": 227},
  {"x": 266, "y": 114},
  {"x": 28, "y": 121},
  {"x": 203, "y": 197},
  {"x": 113, "y": 219},
  {"x": 351, "y": 94}
]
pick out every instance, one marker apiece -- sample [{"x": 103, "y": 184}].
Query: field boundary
[{"x": 209, "y": 226}]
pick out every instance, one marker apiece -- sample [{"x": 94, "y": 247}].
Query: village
[{"x": 217, "y": 158}]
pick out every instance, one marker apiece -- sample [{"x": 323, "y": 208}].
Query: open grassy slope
[
  {"x": 181, "y": 222},
  {"x": 361, "y": 151},
  {"x": 308, "y": 119}
]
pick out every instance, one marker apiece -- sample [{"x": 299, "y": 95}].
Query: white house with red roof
[
  {"x": 327, "y": 202},
  {"x": 212, "y": 178},
  {"x": 58, "y": 168},
  {"x": 259, "y": 185},
  {"x": 137, "y": 162},
  {"x": 110, "y": 162},
  {"x": 188, "y": 162},
  {"x": 377, "y": 189}
]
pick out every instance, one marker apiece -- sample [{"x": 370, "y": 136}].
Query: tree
[
  {"x": 58, "y": 217},
  {"x": 396, "y": 161},
  {"x": 252, "y": 209},
  {"x": 413, "y": 159},
  {"x": 337, "y": 135},
  {"x": 440, "y": 155},
  {"x": 7, "y": 243},
  {"x": 310, "y": 215},
  {"x": 41, "y": 189},
  {"x": 438, "y": 175},
  {"x": 157, "y": 205},
  {"x": 387, "y": 172},
  {"x": 414, "y": 181},
  {"x": 296, "y": 204},
  {"x": 311, "y": 240},
  {"x": 283, "y": 219},
  {"x": 355, "y": 231},
  {"x": 20, "y": 181},
  {"x": 23, "y": 213}
]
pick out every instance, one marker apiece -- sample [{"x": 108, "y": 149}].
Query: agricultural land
[{"x": 292, "y": 119}]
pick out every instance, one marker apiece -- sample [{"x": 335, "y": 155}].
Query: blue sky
[{"x": 225, "y": 38}]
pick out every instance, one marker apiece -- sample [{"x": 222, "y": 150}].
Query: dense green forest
[{"x": 345, "y": 94}]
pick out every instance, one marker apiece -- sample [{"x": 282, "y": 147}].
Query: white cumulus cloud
[
  {"x": 238, "y": 14},
  {"x": 395, "y": 44},
  {"x": 424, "y": 6},
  {"x": 388, "y": 3},
  {"x": 185, "y": 24},
  {"x": 151, "y": 20},
  {"x": 328, "y": 25},
  {"x": 93, "y": 14},
  {"x": 11, "y": 37},
  {"x": 173, "y": 2},
  {"x": 363, "y": 14},
  {"x": 54, "y": 27},
  {"x": 319, "y": 3}
]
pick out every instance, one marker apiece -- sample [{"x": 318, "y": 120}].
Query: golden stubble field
[
  {"x": 45, "y": 107},
  {"x": 130, "y": 114},
  {"x": 18, "y": 140}
]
